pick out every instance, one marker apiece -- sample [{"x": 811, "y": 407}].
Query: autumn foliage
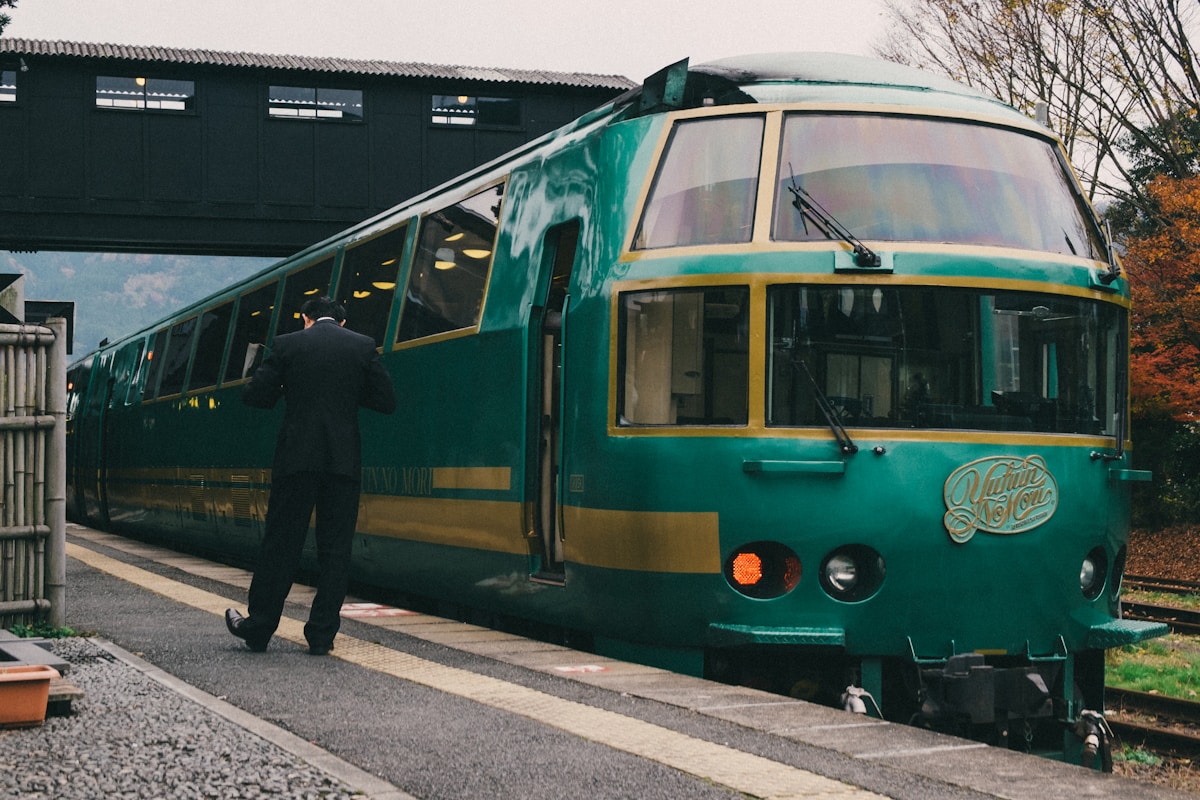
[{"x": 1164, "y": 274}]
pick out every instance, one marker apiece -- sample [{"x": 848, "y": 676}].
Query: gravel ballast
[{"x": 131, "y": 736}]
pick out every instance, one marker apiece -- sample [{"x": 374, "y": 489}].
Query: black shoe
[
  {"x": 319, "y": 649},
  {"x": 234, "y": 622}
]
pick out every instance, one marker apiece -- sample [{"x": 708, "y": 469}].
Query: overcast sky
[{"x": 634, "y": 38}]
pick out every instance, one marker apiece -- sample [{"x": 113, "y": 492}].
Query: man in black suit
[{"x": 324, "y": 372}]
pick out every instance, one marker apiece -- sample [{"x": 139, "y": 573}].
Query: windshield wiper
[
  {"x": 844, "y": 441},
  {"x": 808, "y": 207}
]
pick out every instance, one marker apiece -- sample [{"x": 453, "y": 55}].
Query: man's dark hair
[{"x": 323, "y": 306}]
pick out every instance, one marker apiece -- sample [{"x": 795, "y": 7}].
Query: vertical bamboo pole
[{"x": 56, "y": 470}]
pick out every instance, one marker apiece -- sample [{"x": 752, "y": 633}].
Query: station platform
[{"x": 410, "y": 705}]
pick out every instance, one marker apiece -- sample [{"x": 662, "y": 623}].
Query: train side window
[
  {"x": 684, "y": 356},
  {"x": 153, "y": 365},
  {"x": 214, "y": 329},
  {"x": 250, "y": 331},
  {"x": 368, "y": 282},
  {"x": 300, "y": 287},
  {"x": 77, "y": 384},
  {"x": 706, "y": 186},
  {"x": 449, "y": 275},
  {"x": 125, "y": 372},
  {"x": 179, "y": 352}
]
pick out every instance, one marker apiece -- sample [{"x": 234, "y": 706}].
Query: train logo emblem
[{"x": 1000, "y": 494}]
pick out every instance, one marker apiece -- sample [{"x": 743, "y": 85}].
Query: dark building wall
[{"x": 224, "y": 176}]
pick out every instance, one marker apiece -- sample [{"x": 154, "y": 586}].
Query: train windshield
[
  {"x": 931, "y": 357},
  {"x": 891, "y": 178}
]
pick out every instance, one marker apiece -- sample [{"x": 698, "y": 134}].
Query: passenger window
[
  {"x": 153, "y": 364},
  {"x": 250, "y": 332},
  {"x": 449, "y": 275},
  {"x": 706, "y": 186},
  {"x": 684, "y": 357},
  {"x": 179, "y": 351},
  {"x": 77, "y": 384},
  {"x": 125, "y": 367},
  {"x": 368, "y": 282},
  {"x": 214, "y": 329},
  {"x": 299, "y": 288}
]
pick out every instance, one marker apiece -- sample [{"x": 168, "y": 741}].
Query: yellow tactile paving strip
[{"x": 743, "y": 772}]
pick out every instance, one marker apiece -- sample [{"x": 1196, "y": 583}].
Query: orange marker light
[{"x": 747, "y": 569}]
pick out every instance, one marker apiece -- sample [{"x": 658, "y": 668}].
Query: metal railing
[{"x": 33, "y": 410}]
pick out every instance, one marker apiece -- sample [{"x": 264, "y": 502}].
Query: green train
[{"x": 802, "y": 371}]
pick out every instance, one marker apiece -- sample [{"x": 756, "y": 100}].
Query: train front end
[{"x": 868, "y": 373}]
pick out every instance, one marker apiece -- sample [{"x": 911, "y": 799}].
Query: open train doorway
[{"x": 561, "y": 245}]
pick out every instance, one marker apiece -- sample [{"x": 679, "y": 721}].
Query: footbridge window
[
  {"x": 8, "y": 86},
  {"x": 312, "y": 103},
  {"x": 467, "y": 110},
  {"x": 141, "y": 93}
]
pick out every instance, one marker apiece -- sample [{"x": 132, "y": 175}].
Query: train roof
[
  {"x": 818, "y": 78},
  {"x": 830, "y": 69}
]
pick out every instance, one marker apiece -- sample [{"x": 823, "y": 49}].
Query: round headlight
[
  {"x": 852, "y": 573},
  {"x": 1092, "y": 573},
  {"x": 841, "y": 573}
]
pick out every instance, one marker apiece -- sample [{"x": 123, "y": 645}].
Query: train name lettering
[
  {"x": 416, "y": 481},
  {"x": 1001, "y": 494}
]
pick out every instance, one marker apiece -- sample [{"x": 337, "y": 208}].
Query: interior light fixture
[
  {"x": 385, "y": 286},
  {"x": 443, "y": 258},
  {"x": 454, "y": 237},
  {"x": 476, "y": 253},
  {"x": 361, "y": 293}
]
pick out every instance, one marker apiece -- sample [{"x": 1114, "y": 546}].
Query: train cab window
[
  {"x": 250, "y": 330},
  {"x": 153, "y": 364},
  {"x": 706, "y": 186},
  {"x": 909, "y": 179},
  {"x": 926, "y": 357},
  {"x": 368, "y": 282},
  {"x": 179, "y": 352},
  {"x": 684, "y": 356},
  {"x": 449, "y": 275},
  {"x": 299, "y": 288},
  {"x": 210, "y": 347}
]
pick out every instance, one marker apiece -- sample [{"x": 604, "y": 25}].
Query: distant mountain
[{"x": 116, "y": 294}]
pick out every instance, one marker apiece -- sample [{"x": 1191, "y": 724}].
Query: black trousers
[{"x": 289, "y": 509}]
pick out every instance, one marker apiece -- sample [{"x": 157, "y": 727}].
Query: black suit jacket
[{"x": 324, "y": 373}]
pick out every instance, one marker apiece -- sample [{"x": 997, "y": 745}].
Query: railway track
[
  {"x": 1180, "y": 620},
  {"x": 1165, "y": 725},
  {"x": 1168, "y": 585}
]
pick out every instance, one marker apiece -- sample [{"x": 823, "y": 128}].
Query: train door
[{"x": 545, "y": 392}]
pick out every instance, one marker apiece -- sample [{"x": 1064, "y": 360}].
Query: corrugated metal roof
[{"x": 350, "y": 66}]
